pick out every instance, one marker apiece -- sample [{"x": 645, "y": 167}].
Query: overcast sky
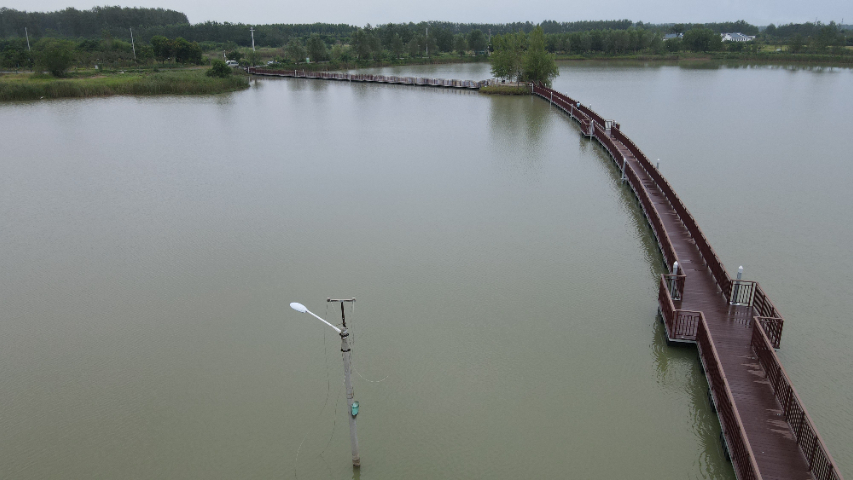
[{"x": 361, "y": 12}]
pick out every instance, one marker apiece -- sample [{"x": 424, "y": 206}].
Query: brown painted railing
[
  {"x": 772, "y": 328},
  {"x": 677, "y": 290},
  {"x": 820, "y": 461},
  {"x": 708, "y": 253},
  {"x": 742, "y": 292},
  {"x": 762, "y": 305},
  {"x": 740, "y": 451},
  {"x": 680, "y": 324},
  {"x": 583, "y": 115}
]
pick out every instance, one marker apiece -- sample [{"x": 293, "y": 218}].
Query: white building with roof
[{"x": 737, "y": 37}]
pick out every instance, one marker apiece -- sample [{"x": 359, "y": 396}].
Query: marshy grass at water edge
[{"x": 181, "y": 82}]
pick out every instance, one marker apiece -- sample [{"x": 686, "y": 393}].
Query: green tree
[
  {"x": 186, "y": 52},
  {"x": 54, "y": 55},
  {"x": 294, "y": 51},
  {"x": 397, "y": 47},
  {"x": 219, "y": 69},
  {"x": 235, "y": 55},
  {"x": 416, "y": 46},
  {"x": 539, "y": 65},
  {"x": 460, "y": 45},
  {"x": 477, "y": 41},
  {"x": 253, "y": 58},
  {"x": 701, "y": 39},
  {"x": 163, "y": 47},
  {"x": 508, "y": 58},
  {"x": 795, "y": 45},
  {"x": 317, "y": 48}
]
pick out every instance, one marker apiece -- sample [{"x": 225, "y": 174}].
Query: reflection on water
[{"x": 506, "y": 278}]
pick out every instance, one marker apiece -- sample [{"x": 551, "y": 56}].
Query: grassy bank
[
  {"x": 506, "y": 90},
  {"x": 178, "y": 82}
]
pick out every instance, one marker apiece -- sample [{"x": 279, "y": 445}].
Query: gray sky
[{"x": 361, "y": 12}]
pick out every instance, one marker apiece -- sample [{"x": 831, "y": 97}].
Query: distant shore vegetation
[
  {"x": 81, "y": 84},
  {"x": 68, "y": 40}
]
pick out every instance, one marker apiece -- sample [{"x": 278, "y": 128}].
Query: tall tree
[
  {"x": 294, "y": 51},
  {"x": 54, "y": 55},
  {"x": 460, "y": 46},
  {"x": 477, "y": 41},
  {"x": 539, "y": 65},
  {"x": 396, "y": 46},
  {"x": 317, "y": 48},
  {"x": 508, "y": 58}
]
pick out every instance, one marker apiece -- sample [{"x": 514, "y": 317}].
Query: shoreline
[{"x": 34, "y": 86}]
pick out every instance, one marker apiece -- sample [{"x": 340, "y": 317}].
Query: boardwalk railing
[
  {"x": 743, "y": 459},
  {"x": 820, "y": 461},
  {"x": 772, "y": 328},
  {"x": 587, "y": 118},
  {"x": 691, "y": 326},
  {"x": 680, "y": 324},
  {"x": 361, "y": 77},
  {"x": 711, "y": 259},
  {"x": 742, "y": 292}
]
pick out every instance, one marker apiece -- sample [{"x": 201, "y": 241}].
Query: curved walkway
[{"x": 736, "y": 328}]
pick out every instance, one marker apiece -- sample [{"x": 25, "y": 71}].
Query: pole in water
[
  {"x": 658, "y": 165},
  {"x": 353, "y": 405},
  {"x": 624, "y": 166}
]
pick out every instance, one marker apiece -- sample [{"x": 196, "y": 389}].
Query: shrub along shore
[{"x": 32, "y": 86}]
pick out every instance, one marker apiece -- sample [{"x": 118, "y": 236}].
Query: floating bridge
[{"x": 766, "y": 431}]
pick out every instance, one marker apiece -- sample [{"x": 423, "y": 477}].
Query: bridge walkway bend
[{"x": 765, "y": 429}]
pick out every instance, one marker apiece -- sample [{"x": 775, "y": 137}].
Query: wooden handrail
[
  {"x": 740, "y": 450},
  {"x": 820, "y": 462}
]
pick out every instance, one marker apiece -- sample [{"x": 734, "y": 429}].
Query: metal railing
[
  {"x": 812, "y": 445},
  {"x": 772, "y": 328},
  {"x": 742, "y": 292},
  {"x": 681, "y": 325}
]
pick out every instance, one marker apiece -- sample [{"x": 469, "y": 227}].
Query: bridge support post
[{"x": 624, "y": 166}]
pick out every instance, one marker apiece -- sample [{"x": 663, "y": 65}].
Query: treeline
[
  {"x": 73, "y": 23},
  {"x": 57, "y": 55}
]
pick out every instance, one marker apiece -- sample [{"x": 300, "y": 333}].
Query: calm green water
[{"x": 506, "y": 281}]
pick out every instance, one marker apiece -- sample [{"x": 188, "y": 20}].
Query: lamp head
[{"x": 298, "y": 307}]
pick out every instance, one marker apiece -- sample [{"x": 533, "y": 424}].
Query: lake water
[{"x": 506, "y": 281}]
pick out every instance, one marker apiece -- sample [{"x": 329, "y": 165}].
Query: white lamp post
[{"x": 345, "y": 351}]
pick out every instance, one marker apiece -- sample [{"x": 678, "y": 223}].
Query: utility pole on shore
[
  {"x": 28, "y": 39},
  {"x": 346, "y": 352},
  {"x": 132, "y": 44},
  {"x": 252, "y": 30}
]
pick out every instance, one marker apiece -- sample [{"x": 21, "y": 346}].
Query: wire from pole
[
  {"x": 352, "y": 329},
  {"x": 325, "y": 402}
]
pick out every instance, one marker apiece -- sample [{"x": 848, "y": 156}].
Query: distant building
[
  {"x": 736, "y": 37},
  {"x": 670, "y": 36}
]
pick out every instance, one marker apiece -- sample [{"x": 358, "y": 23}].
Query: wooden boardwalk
[
  {"x": 765, "y": 428},
  {"x": 368, "y": 78}
]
